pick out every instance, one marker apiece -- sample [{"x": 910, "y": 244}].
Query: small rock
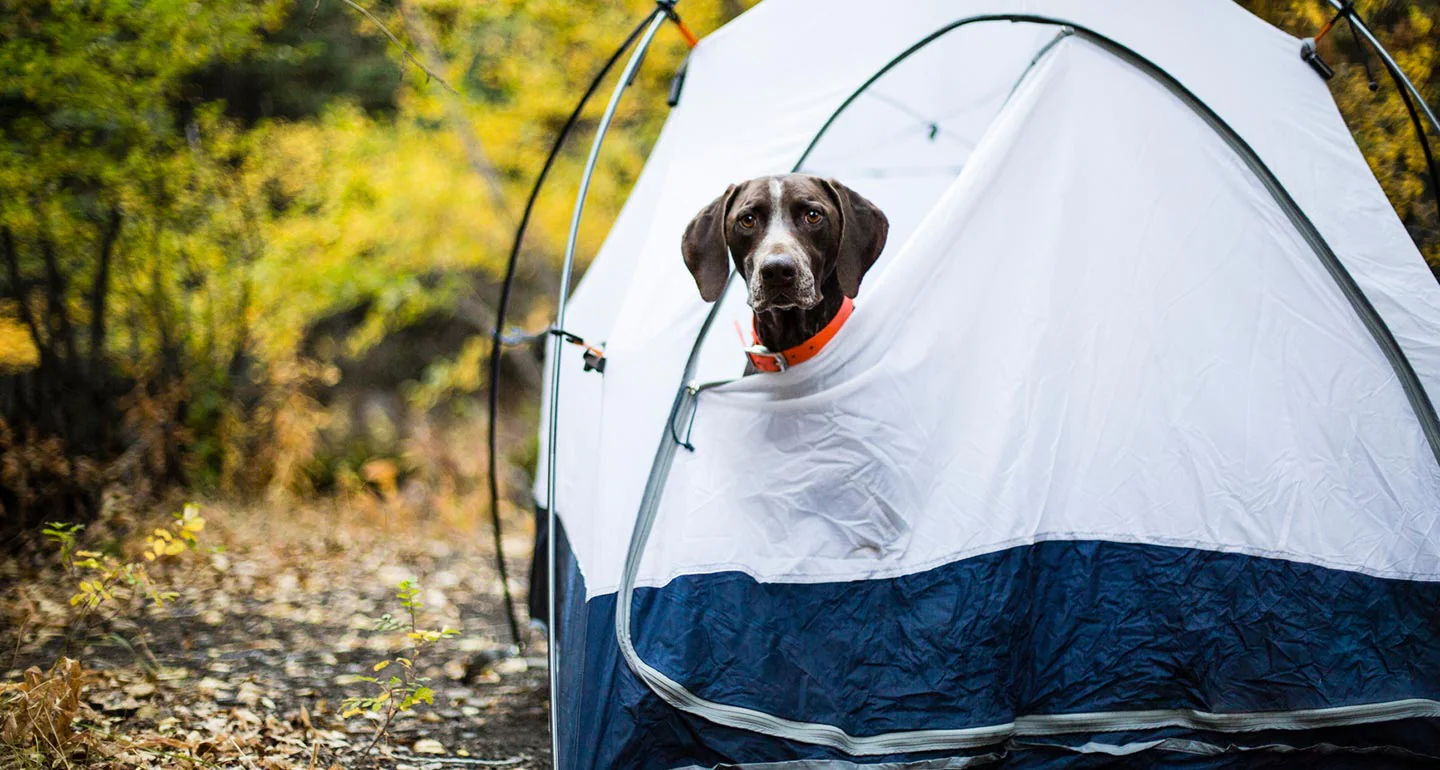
[
  {"x": 140, "y": 689},
  {"x": 209, "y": 685},
  {"x": 249, "y": 694},
  {"x": 128, "y": 704},
  {"x": 427, "y": 746},
  {"x": 511, "y": 666}
]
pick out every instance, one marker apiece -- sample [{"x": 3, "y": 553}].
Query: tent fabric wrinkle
[{"x": 1124, "y": 449}]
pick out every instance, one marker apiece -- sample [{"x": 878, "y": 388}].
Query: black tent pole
[
  {"x": 1409, "y": 94},
  {"x": 1404, "y": 81}
]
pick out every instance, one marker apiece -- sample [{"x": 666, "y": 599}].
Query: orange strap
[
  {"x": 685, "y": 32},
  {"x": 668, "y": 7},
  {"x": 768, "y": 361},
  {"x": 1325, "y": 30}
]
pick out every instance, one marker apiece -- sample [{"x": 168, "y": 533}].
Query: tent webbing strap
[{"x": 677, "y": 696}]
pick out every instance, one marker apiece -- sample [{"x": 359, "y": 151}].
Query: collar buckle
[{"x": 760, "y": 352}]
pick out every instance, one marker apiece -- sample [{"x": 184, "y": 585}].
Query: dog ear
[
  {"x": 706, "y": 251},
  {"x": 863, "y": 228}
]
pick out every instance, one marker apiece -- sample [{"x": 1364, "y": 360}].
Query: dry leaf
[{"x": 41, "y": 708}]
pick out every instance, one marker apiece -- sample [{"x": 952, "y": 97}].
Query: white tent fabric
[
  {"x": 1154, "y": 355},
  {"x": 737, "y": 120},
  {"x": 1093, "y": 323}
]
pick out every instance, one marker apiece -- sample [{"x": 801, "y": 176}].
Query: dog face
[{"x": 787, "y": 236}]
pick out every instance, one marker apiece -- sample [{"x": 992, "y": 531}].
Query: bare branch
[
  {"x": 455, "y": 110},
  {"x": 428, "y": 72}
]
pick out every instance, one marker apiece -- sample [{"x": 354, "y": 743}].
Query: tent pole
[
  {"x": 502, "y": 309},
  {"x": 1358, "y": 23},
  {"x": 565, "y": 275}
]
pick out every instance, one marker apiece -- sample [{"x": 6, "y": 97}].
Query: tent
[{"x": 1128, "y": 448}]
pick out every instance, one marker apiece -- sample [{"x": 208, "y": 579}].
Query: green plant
[
  {"x": 105, "y": 579},
  {"x": 402, "y": 691},
  {"x": 38, "y": 714}
]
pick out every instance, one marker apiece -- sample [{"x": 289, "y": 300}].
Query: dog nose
[{"x": 778, "y": 270}]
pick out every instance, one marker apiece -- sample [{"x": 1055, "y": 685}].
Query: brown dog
[{"x": 801, "y": 243}]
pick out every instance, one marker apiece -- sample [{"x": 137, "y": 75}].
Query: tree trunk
[
  {"x": 55, "y": 303},
  {"x": 17, "y": 289},
  {"x": 99, "y": 293},
  {"x": 99, "y": 366}
]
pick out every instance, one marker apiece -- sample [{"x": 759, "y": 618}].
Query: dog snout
[{"x": 779, "y": 270}]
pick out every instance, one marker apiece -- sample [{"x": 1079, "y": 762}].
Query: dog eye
[
  {"x": 747, "y": 221},
  {"x": 813, "y": 217}
]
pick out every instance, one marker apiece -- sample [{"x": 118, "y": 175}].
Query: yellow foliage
[
  {"x": 238, "y": 240},
  {"x": 17, "y": 347}
]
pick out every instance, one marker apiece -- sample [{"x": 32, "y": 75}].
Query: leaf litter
[{"x": 253, "y": 658}]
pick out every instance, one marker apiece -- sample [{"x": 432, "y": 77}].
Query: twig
[
  {"x": 419, "y": 31},
  {"x": 243, "y": 755},
  {"x": 381, "y": 732},
  {"x": 19, "y": 639},
  {"x": 469, "y": 761},
  {"x": 428, "y": 72}
]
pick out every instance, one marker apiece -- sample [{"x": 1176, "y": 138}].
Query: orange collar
[{"x": 766, "y": 360}]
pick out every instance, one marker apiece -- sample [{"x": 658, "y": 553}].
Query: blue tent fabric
[{"x": 977, "y": 643}]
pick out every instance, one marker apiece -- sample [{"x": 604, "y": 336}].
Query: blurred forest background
[{"x": 249, "y": 252}]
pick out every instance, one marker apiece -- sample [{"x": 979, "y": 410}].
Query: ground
[{"x": 248, "y": 666}]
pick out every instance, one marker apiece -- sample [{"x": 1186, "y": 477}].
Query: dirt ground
[{"x": 248, "y": 666}]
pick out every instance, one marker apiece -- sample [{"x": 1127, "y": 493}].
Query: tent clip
[
  {"x": 689, "y": 392},
  {"x": 594, "y": 357},
  {"x": 677, "y": 84}
]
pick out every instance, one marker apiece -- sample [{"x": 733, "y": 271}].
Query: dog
[{"x": 801, "y": 243}]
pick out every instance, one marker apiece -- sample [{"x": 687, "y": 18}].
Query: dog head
[{"x": 788, "y": 237}]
